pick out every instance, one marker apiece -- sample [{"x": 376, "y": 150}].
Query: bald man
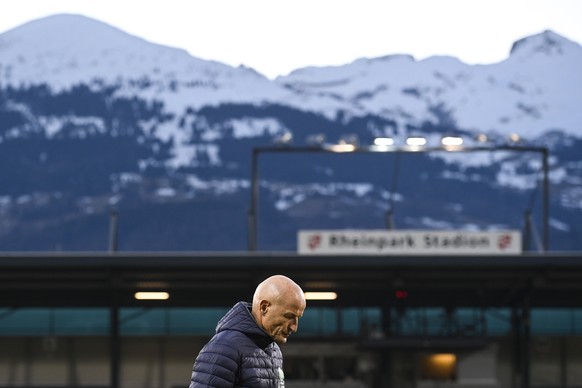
[{"x": 245, "y": 351}]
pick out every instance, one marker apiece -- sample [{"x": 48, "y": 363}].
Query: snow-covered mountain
[
  {"x": 536, "y": 89},
  {"x": 65, "y": 50},
  {"x": 92, "y": 117}
]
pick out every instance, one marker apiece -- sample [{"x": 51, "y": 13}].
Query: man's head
[{"x": 278, "y": 304}]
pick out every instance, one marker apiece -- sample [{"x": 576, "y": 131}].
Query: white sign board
[{"x": 408, "y": 242}]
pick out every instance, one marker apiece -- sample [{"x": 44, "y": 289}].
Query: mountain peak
[
  {"x": 64, "y": 30},
  {"x": 547, "y": 42},
  {"x": 65, "y": 49}
]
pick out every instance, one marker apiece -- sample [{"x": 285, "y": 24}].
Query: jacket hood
[{"x": 239, "y": 318}]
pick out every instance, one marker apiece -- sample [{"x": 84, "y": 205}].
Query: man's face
[{"x": 282, "y": 318}]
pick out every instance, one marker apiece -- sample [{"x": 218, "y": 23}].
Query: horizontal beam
[{"x": 222, "y": 279}]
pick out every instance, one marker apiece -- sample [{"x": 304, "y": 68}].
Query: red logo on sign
[
  {"x": 504, "y": 241},
  {"x": 314, "y": 241}
]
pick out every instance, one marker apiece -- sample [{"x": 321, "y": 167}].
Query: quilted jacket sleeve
[{"x": 216, "y": 365}]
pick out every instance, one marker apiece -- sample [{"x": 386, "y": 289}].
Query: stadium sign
[{"x": 408, "y": 242}]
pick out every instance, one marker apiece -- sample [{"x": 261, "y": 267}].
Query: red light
[{"x": 401, "y": 294}]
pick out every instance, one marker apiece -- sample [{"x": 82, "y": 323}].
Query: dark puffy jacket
[{"x": 240, "y": 354}]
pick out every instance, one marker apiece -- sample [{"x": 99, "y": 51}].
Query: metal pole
[
  {"x": 545, "y": 189},
  {"x": 252, "y": 243},
  {"x": 389, "y": 219},
  {"x": 250, "y": 231},
  {"x": 526, "y": 359},
  {"x": 525, "y": 243},
  {"x": 113, "y": 232},
  {"x": 546, "y": 204},
  {"x": 114, "y": 345},
  {"x": 517, "y": 370}
]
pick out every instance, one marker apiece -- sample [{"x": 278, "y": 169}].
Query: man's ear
[{"x": 264, "y": 306}]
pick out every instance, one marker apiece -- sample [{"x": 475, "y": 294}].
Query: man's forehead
[{"x": 295, "y": 309}]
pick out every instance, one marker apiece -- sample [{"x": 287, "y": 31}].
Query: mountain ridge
[
  {"x": 170, "y": 149},
  {"x": 396, "y": 87}
]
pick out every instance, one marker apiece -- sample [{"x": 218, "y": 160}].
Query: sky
[{"x": 275, "y": 37}]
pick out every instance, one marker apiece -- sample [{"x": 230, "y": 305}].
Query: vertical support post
[
  {"x": 526, "y": 343},
  {"x": 517, "y": 364},
  {"x": 526, "y": 242},
  {"x": 526, "y": 322},
  {"x": 340, "y": 321},
  {"x": 390, "y": 224},
  {"x": 28, "y": 360},
  {"x": 72, "y": 373},
  {"x": 389, "y": 219},
  {"x": 252, "y": 226},
  {"x": 162, "y": 361},
  {"x": 386, "y": 320},
  {"x": 521, "y": 324},
  {"x": 164, "y": 347},
  {"x": 384, "y": 372},
  {"x": 113, "y": 231},
  {"x": 563, "y": 361},
  {"x": 115, "y": 348},
  {"x": 546, "y": 204}
]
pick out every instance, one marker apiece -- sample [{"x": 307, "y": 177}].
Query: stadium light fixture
[
  {"x": 514, "y": 138},
  {"x": 152, "y": 295},
  {"x": 416, "y": 141},
  {"x": 384, "y": 141},
  {"x": 382, "y": 144},
  {"x": 320, "y": 295},
  {"x": 452, "y": 141},
  {"x": 341, "y": 147},
  {"x": 284, "y": 139},
  {"x": 482, "y": 138},
  {"x": 347, "y": 143}
]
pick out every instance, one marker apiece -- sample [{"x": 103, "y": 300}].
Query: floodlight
[
  {"x": 284, "y": 138},
  {"x": 514, "y": 138},
  {"x": 482, "y": 138},
  {"x": 320, "y": 295},
  {"x": 452, "y": 141},
  {"x": 342, "y": 147},
  {"x": 152, "y": 295},
  {"x": 416, "y": 141},
  {"x": 383, "y": 141}
]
